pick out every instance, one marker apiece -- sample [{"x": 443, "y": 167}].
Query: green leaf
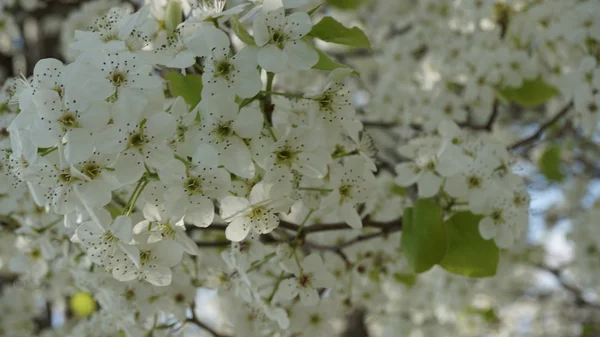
[
  {"x": 468, "y": 253},
  {"x": 330, "y": 30},
  {"x": 424, "y": 240},
  {"x": 241, "y": 31},
  {"x": 114, "y": 210},
  {"x": 531, "y": 93},
  {"x": 489, "y": 315},
  {"x": 550, "y": 164},
  {"x": 346, "y": 4},
  {"x": 189, "y": 87},
  {"x": 310, "y": 12},
  {"x": 327, "y": 63},
  {"x": 408, "y": 280},
  {"x": 397, "y": 190},
  {"x": 173, "y": 15},
  {"x": 375, "y": 276},
  {"x": 590, "y": 330},
  {"x": 501, "y": 95}
]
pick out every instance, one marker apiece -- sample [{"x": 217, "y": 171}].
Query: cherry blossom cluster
[
  {"x": 446, "y": 60},
  {"x": 104, "y": 145},
  {"x": 102, "y": 125},
  {"x": 472, "y": 172},
  {"x": 192, "y": 157}
]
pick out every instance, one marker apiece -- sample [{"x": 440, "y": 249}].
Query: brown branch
[
  {"x": 488, "y": 125},
  {"x": 355, "y": 324},
  {"x": 385, "y": 229},
  {"x": 384, "y": 226},
  {"x": 378, "y": 124},
  {"x": 213, "y": 227},
  {"x": 395, "y": 31},
  {"x": 367, "y": 237},
  {"x": 542, "y": 128},
  {"x": 334, "y": 249},
  {"x": 389, "y": 125},
  {"x": 493, "y": 116},
  {"x": 578, "y": 293},
  {"x": 194, "y": 320},
  {"x": 213, "y": 244}
]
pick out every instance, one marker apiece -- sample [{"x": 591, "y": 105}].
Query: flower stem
[
  {"x": 320, "y": 189},
  {"x": 284, "y": 94},
  {"x": 347, "y": 154},
  {"x": 279, "y": 279},
  {"x": 137, "y": 191},
  {"x": 260, "y": 263},
  {"x": 304, "y": 223}
]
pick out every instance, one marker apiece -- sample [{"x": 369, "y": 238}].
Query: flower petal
[
  {"x": 272, "y": 59},
  {"x": 237, "y": 230}
]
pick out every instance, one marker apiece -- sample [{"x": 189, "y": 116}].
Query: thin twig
[
  {"x": 366, "y": 237},
  {"x": 334, "y": 249},
  {"x": 578, "y": 293},
  {"x": 379, "y": 124},
  {"x": 493, "y": 116},
  {"x": 194, "y": 320},
  {"x": 389, "y": 125},
  {"x": 385, "y": 229},
  {"x": 488, "y": 125},
  {"x": 542, "y": 128},
  {"x": 340, "y": 226},
  {"x": 213, "y": 244}
]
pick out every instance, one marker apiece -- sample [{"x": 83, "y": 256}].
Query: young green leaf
[
  {"x": 189, "y": 87},
  {"x": 424, "y": 239},
  {"x": 531, "y": 93},
  {"x": 590, "y": 330},
  {"x": 310, "y": 12},
  {"x": 330, "y": 30},
  {"x": 375, "y": 276},
  {"x": 327, "y": 63},
  {"x": 489, "y": 315},
  {"x": 468, "y": 253},
  {"x": 346, "y": 4},
  {"x": 241, "y": 31},
  {"x": 407, "y": 279},
  {"x": 550, "y": 164}
]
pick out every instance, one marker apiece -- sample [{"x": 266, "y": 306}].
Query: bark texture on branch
[{"x": 355, "y": 324}]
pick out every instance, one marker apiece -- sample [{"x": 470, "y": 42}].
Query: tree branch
[
  {"x": 355, "y": 324},
  {"x": 194, "y": 320},
  {"x": 542, "y": 128},
  {"x": 493, "y": 116},
  {"x": 578, "y": 293},
  {"x": 386, "y": 229},
  {"x": 384, "y": 226},
  {"x": 213, "y": 244}
]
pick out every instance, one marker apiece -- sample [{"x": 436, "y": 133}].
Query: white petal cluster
[
  {"x": 101, "y": 127},
  {"x": 117, "y": 163},
  {"x": 472, "y": 173},
  {"x": 190, "y": 158}
]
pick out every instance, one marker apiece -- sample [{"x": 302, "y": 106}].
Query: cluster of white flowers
[
  {"x": 183, "y": 145},
  {"x": 586, "y": 248},
  {"x": 446, "y": 60},
  {"x": 102, "y": 125},
  {"x": 127, "y": 166},
  {"x": 472, "y": 173}
]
